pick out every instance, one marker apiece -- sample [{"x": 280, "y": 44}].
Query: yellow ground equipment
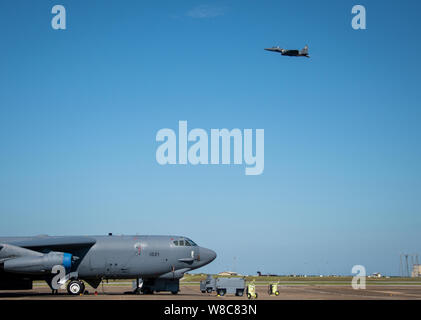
[
  {"x": 273, "y": 289},
  {"x": 251, "y": 290}
]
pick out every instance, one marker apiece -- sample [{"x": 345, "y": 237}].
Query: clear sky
[{"x": 80, "y": 108}]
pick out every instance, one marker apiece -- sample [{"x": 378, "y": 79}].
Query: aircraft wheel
[
  {"x": 209, "y": 290},
  {"x": 249, "y": 295},
  {"x": 75, "y": 287},
  {"x": 255, "y": 295}
]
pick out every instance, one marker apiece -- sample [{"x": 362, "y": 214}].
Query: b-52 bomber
[
  {"x": 156, "y": 262},
  {"x": 292, "y": 53}
]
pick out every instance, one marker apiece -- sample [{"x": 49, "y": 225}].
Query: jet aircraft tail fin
[{"x": 304, "y": 51}]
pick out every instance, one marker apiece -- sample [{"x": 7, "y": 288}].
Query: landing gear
[
  {"x": 138, "y": 286},
  {"x": 75, "y": 287}
]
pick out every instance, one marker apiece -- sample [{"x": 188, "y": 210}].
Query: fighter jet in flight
[
  {"x": 291, "y": 53},
  {"x": 156, "y": 262}
]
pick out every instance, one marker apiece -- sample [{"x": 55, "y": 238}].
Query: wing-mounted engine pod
[{"x": 41, "y": 264}]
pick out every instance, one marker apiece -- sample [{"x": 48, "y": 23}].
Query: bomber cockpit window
[
  {"x": 185, "y": 242},
  {"x": 192, "y": 243}
]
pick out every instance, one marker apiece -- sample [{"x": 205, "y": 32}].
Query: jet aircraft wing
[{"x": 70, "y": 244}]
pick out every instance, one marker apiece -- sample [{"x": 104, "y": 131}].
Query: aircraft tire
[{"x": 75, "y": 287}]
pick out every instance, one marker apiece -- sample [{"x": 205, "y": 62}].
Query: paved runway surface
[{"x": 192, "y": 292}]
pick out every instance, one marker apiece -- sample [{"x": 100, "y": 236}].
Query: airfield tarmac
[{"x": 192, "y": 292}]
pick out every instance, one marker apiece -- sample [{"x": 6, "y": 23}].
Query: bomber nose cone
[{"x": 207, "y": 255}]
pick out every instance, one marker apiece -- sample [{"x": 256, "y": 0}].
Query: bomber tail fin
[{"x": 304, "y": 51}]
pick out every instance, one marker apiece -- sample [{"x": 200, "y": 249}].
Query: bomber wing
[
  {"x": 77, "y": 246},
  {"x": 47, "y": 243}
]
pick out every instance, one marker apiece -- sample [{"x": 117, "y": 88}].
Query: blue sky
[{"x": 80, "y": 108}]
